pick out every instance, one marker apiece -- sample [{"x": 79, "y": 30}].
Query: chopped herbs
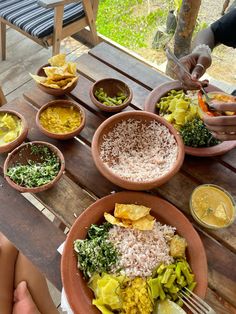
[
  {"x": 195, "y": 134},
  {"x": 34, "y": 174},
  {"x": 96, "y": 253},
  {"x": 99, "y": 231}
]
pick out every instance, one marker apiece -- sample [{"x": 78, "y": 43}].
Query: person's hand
[
  {"x": 196, "y": 64},
  {"x": 222, "y": 127}
]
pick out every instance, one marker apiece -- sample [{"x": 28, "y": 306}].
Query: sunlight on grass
[{"x": 128, "y": 22}]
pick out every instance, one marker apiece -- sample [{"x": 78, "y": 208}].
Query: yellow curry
[
  {"x": 10, "y": 128},
  {"x": 60, "y": 120},
  {"x": 212, "y": 206}
]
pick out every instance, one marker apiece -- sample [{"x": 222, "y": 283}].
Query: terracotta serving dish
[
  {"x": 22, "y": 136},
  {"x": 108, "y": 125},
  {"x": 227, "y": 97},
  {"x": 61, "y": 103},
  {"x": 22, "y": 154},
  {"x": 78, "y": 294},
  {"x": 161, "y": 91},
  {"x": 111, "y": 86},
  {"x": 53, "y": 91}
]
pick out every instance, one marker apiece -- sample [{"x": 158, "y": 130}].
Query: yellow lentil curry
[
  {"x": 10, "y": 128},
  {"x": 60, "y": 120},
  {"x": 212, "y": 206}
]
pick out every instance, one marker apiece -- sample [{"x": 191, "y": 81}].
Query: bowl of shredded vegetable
[
  {"x": 13, "y": 130},
  {"x": 34, "y": 167},
  {"x": 183, "y": 110},
  {"x": 61, "y": 119},
  {"x": 110, "y": 94},
  {"x": 109, "y": 268}
]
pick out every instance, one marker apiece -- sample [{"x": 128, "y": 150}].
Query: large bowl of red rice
[{"x": 137, "y": 150}]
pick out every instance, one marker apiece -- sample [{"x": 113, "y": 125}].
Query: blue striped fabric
[{"x": 35, "y": 20}]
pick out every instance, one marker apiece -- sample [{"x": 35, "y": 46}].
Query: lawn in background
[{"x": 131, "y": 23}]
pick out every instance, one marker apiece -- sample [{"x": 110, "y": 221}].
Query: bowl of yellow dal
[
  {"x": 212, "y": 206},
  {"x": 13, "y": 130},
  {"x": 61, "y": 119}
]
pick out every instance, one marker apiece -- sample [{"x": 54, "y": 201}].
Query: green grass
[{"x": 128, "y": 23}]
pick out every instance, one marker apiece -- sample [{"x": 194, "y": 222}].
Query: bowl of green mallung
[{"x": 34, "y": 167}]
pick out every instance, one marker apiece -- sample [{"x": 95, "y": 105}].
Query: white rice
[
  {"x": 139, "y": 151},
  {"x": 141, "y": 251}
]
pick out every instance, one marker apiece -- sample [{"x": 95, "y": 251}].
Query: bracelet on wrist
[{"x": 201, "y": 48}]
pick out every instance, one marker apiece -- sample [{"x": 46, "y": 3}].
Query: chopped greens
[
  {"x": 195, "y": 134},
  {"x": 99, "y": 231},
  {"x": 34, "y": 174},
  {"x": 96, "y": 253}
]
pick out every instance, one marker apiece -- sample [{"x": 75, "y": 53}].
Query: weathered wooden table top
[{"x": 38, "y": 238}]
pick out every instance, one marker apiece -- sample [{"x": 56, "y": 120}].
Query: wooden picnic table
[{"x": 38, "y": 238}]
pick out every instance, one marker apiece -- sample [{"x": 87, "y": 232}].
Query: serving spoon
[{"x": 172, "y": 56}]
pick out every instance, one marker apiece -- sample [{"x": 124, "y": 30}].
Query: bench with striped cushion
[{"x": 35, "y": 20}]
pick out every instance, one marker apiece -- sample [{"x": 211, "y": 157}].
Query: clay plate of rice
[
  {"x": 168, "y": 220},
  {"x": 137, "y": 150}
]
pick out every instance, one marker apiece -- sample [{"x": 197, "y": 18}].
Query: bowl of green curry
[
  {"x": 34, "y": 167},
  {"x": 13, "y": 130}
]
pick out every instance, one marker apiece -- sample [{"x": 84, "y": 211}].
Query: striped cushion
[{"x": 35, "y": 20}]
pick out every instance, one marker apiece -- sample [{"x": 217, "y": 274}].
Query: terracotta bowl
[
  {"x": 78, "y": 294},
  {"x": 53, "y": 91},
  {"x": 229, "y": 98},
  {"x": 61, "y": 103},
  {"x": 145, "y": 117},
  {"x": 10, "y": 146},
  {"x": 111, "y": 86},
  {"x": 161, "y": 91},
  {"x": 22, "y": 154}
]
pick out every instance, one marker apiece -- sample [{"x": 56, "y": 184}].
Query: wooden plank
[
  {"x": 218, "y": 303},
  {"x": 66, "y": 200},
  {"x": 14, "y": 37},
  {"x": 229, "y": 159},
  {"x": 221, "y": 269},
  {"x": 129, "y": 66},
  {"x": 208, "y": 170},
  {"x": 20, "y": 90},
  {"x": 30, "y": 231},
  {"x": 19, "y": 53},
  {"x": 95, "y": 70}
]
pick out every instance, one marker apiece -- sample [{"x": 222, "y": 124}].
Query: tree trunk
[{"x": 184, "y": 31}]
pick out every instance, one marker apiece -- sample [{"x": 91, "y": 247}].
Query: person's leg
[
  {"x": 36, "y": 283},
  {"x": 8, "y": 257}
]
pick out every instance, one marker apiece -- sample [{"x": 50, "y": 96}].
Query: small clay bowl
[
  {"x": 145, "y": 117},
  {"x": 61, "y": 103},
  {"x": 22, "y": 155},
  {"x": 22, "y": 136},
  {"x": 53, "y": 91},
  {"x": 111, "y": 86}
]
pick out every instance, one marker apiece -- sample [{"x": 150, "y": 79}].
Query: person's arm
[
  {"x": 223, "y": 31},
  {"x": 198, "y": 60}
]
